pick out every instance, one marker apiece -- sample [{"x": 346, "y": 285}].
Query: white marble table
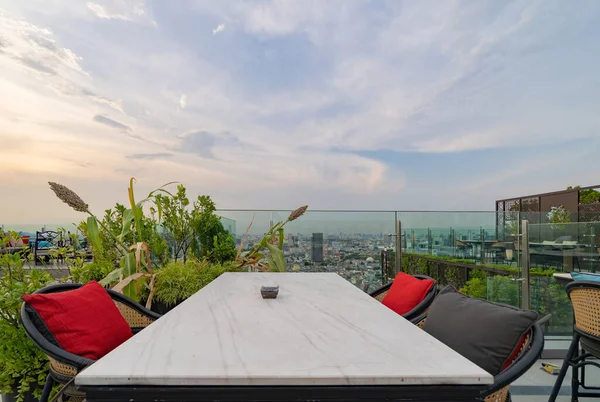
[{"x": 320, "y": 333}]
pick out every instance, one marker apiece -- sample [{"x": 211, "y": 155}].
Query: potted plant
[{"x": 23, "y": 367}]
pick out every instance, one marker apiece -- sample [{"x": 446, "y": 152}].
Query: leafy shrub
[
  {"x": 475, "y": 287},
  {"x": 23, "y": 367},
  {"x": 94, "y": 271},
  {"x": 179, "y": 280},
  {"x": 223, "y": 249}
]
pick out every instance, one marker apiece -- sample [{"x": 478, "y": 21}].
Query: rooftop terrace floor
[{"x": 536, "y": 384}]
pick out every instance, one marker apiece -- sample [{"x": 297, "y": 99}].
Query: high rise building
[{"x": 317, "y": 247}]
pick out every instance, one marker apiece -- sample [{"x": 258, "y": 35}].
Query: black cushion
[{"x": 486, "y": 333}]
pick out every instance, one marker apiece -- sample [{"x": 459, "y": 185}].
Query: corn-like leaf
[
  {"x": 151, "y": 294},
  {"x": 127, "y": 219},
  {"x": 271, "y": 262},
  {"x": 93, "y": 233},
  {"x": 277, "y": 258},
  {"x": 128, "y": 264},
  {"x": 139, "y": 247},
  {"x": 111, "y": 277},
  {"x": 121, "y": 285},
  {"x": 137, "y": 212}
]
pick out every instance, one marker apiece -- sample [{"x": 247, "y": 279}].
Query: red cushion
[
  {"x": 406, "y": 292},
  {"x": 84, "y": 321}
]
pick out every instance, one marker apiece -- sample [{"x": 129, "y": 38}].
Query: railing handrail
[{"x": 349, "y": 210}]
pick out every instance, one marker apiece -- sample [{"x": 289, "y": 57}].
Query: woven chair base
[
  {"x": 498, "y": 396},
  {"x": 381, "y": 295}
]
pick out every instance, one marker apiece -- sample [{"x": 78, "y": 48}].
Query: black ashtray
[{"x": 269, "y": 291}]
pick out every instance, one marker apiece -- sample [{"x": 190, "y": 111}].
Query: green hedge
[
  {"x": 496, "y": 283},
  {"x": 458, "y": 272}
]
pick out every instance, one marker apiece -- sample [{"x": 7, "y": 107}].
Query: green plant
[
  {"x": 504, "y": 289},
  {"x": 111, "y": 229},
  {"x": 94, "y": 271},
  {"x": 223, "y": 249},
  {"x": 589, "y": 196},
  {"x": 194, "y": 229},
  {"x": 135, "y": 276},
  {"x": 23, "y": 367},
  {"x": 179, "y": 280},
  {"x": 270, "y": 246},
  {"x": 176, "y": 281},
  {"x": 558, "y": 216},
  {"x": 177, "y": 220},
  {"x": 475, "y": 287}
]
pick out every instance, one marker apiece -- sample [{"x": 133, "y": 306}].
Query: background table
[{"x": 322, "y": 338}]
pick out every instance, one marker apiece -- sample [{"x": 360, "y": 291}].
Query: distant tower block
[{"x": 317, "y": 247}]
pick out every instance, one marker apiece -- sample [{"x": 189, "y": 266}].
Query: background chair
[
  {"x": 421, "y": 308},
  {"x": 64, "y": 366},
  {"x": 585, "y": 297},
  {"x": 529, "y": 352}
]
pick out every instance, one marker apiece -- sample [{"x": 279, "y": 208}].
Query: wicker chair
[
  {"x": 64, "y": 366},
  {"x": 419, "y": 309},
  {"x": 585, "y": 297},
  {"x": 530, "y": 352}
]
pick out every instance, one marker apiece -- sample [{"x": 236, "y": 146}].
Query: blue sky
[{"x": 273, "y": 104}]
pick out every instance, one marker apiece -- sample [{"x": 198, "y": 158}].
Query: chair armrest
[
  {"x": 49, "y": 348},
  {"x": 522, "y": 364},
  {"x": 423, "y": 306},
  {"x": 419, "y": 320}
]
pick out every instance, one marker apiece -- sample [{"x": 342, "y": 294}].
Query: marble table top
[{"x": 320, "y": 330}]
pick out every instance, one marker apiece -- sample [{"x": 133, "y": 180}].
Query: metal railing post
[
  {"x": 398, "y": 247},
  {"x": 525, "y": 294}
]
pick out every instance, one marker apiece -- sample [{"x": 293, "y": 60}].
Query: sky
[{"x": 368, "y": 105}]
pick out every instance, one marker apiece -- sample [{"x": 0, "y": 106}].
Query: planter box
[{"x": 160, "y": 308}]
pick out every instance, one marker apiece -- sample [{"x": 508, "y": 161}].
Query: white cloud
[
  {"x": 293, "y": 97},
  {"x": 218, "y": 29},
  {"x": 121, "y": 10}
]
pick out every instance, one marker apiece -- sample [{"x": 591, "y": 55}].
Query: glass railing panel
[
  {"x": 356, "y": 245},
  {"x": 506, "y": 289},
  {"x": 548, "y": 296},
  {"x": 465, "y": 235},
  {"x": 565, "y": 247}
]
